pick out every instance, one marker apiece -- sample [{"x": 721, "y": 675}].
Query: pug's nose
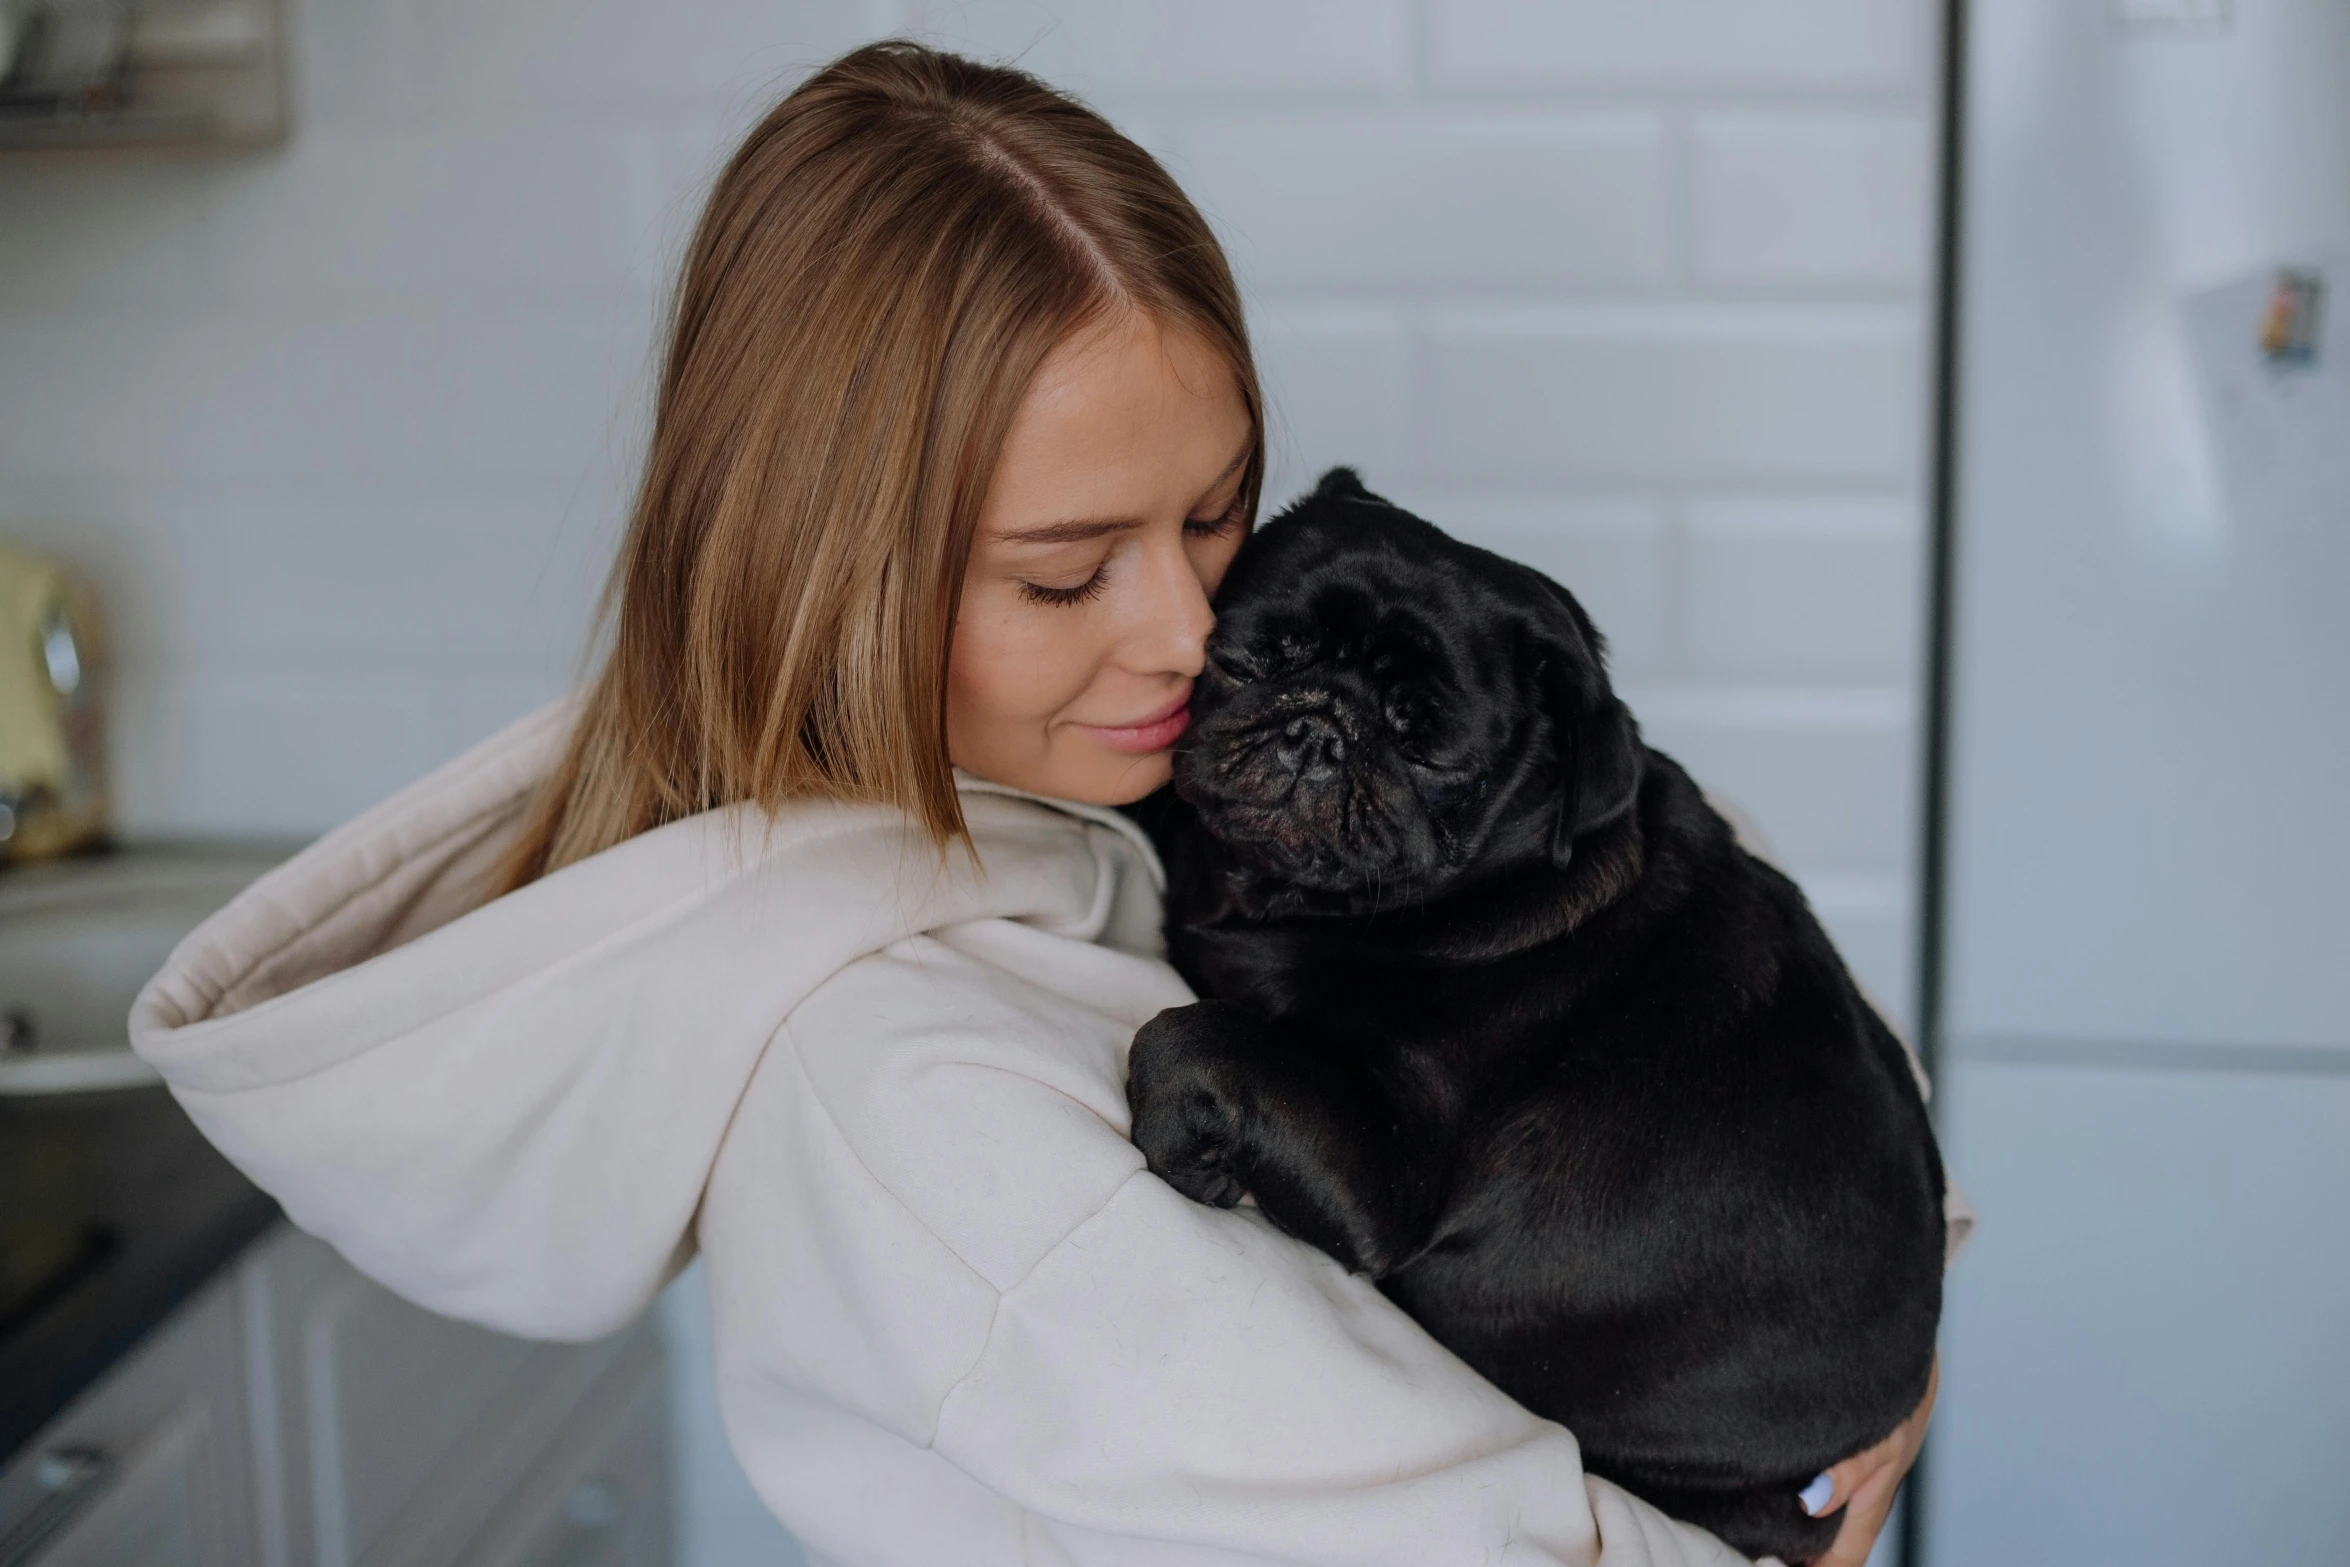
[{"x": 1311, "y": 746}]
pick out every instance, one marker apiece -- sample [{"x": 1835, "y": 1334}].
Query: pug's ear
[
  {"x": 1341, "y": 484},
  {"x": 1598, "y": 741},
  {"x": 1601, "y": 754}
]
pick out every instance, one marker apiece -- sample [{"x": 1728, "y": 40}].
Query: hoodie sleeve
[
  {"x": 928, "y": 1215},
  {"x": 505, "y": 1108},
  {"x": 1187, "y": 1373}
]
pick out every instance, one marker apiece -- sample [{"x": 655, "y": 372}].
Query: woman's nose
[{"x": 1172, "y": 634}]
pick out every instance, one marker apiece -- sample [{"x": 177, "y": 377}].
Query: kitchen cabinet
[
  {"x": 598, "y": 1500},
  {"x": 295, "y": 1413},
  {"x": 150, "y": 1468}
]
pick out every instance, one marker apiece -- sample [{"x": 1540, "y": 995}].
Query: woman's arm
[
  {"x": 928, "y": 1213},
  {"x": 1192, "y": 1374}
]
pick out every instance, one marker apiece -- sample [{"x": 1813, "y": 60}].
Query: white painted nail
[{"x": 1816, "y": 1496}]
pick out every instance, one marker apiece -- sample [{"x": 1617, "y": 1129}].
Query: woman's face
[{"x": 1113, "y": 512}]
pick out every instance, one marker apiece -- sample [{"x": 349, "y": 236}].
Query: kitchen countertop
[{"x": 123, "y": 1181}]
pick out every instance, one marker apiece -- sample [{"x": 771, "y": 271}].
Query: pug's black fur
[{"x": 1502, "y": 1016}]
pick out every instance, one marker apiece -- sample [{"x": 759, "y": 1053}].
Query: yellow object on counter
[{"x": 52, "y": 774}]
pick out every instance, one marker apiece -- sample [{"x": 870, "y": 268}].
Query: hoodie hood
[{"x": 506, "y": 1108}]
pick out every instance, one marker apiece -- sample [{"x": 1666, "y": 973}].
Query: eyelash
[{"x": 1091, "y": 587}]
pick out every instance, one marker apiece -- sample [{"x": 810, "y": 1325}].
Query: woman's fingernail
[{"x": 1816, "y": 1496}]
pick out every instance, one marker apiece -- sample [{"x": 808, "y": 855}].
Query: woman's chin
[
  {"x": 1086, "y": 772},
  {"x": 1121, "y": 777},
  {"x": 1100, "y": 774}
]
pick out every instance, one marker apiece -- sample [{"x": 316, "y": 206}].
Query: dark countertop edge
[
  {"x": 96, "y": 1342},
  {"x": 182, "y": 1215},
  {"x": 129, "y": 1163}
]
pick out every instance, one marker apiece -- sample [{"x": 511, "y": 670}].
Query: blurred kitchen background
[{"x": 2022, "y": 640}]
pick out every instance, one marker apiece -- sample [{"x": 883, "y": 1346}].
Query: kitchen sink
[{"x": 78, "y": 937}]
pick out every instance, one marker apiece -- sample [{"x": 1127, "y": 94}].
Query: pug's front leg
[{"x": 1225, "y": 1103}]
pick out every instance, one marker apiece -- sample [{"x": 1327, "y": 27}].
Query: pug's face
[{"x": 1387, "y": 713}]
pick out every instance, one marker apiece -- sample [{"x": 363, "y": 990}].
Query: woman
[{"x": 807, "y": 935}]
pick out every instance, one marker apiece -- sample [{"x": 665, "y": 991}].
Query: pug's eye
[
  {"x": 1404, "y": 710},
  {"x": 1237, "y": 664}
]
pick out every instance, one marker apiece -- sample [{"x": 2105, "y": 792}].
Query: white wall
[{"x": 1632, "y": 288}]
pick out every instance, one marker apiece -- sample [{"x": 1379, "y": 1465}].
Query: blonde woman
[{"x": 807, "y": 935}]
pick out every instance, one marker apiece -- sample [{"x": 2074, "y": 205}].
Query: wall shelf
[{"x": 156, "y": 75}]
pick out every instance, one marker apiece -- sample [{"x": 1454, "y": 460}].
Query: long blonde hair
[{"x": 880, "y": 270}]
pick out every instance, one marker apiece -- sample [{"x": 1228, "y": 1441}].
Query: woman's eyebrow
[
  {"x": 1078, "y": 529},
  {"x": 1074, "y": 531}
]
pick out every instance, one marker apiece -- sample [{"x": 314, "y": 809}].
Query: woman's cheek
[
  {"x": 992, "y": 648},
  {"x": 1044, "y": 663}
]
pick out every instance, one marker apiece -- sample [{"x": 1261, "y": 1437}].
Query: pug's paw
[{"x": 1189, "y": 1115}]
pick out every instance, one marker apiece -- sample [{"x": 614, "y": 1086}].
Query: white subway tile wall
[
  {"x": 1822, "y": 45},
  {"x": 1634, "y": 290}
]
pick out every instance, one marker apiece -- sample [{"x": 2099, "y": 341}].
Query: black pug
[{"x": 1502, "y": 1016}]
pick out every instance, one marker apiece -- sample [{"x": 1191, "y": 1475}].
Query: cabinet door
[
  {"x": 160, "y": 1444},
  {"x": 396, "y": 1435},
  {"x": 601, "y": 1497},
  {"x": 155, "y": 1508}
]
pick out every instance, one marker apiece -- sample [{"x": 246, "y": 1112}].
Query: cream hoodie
[{"x": 956, "y": 1320}]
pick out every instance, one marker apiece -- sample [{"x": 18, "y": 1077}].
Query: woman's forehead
[
  {"x": 1120, "y": 421},
  {"x": 1126, "y": 375}
]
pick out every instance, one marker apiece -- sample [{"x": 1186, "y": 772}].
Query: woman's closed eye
[
  {"x": 1072, "y": 593},
  {"x": 1217, "y": 525},
  {"x": 1091, "y": 586}
]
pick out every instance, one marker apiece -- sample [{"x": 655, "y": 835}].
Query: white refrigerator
[{"x": 2143, "y": 1007}]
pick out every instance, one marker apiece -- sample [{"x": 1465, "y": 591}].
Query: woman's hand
[{"x": 1864, "y": 1485}]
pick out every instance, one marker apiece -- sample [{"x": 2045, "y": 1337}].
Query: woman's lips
[{"x": 1154, "y": 733}]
